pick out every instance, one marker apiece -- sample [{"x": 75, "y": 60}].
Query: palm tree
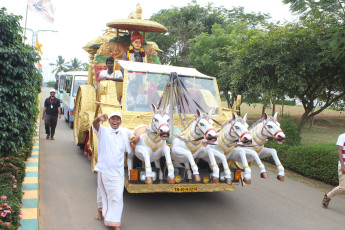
[
  {"x": 59, "y": 65},
  {"x": 75, "y": 65}
]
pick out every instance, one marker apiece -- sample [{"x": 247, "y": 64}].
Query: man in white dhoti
[{"x": 112, "y": 143}]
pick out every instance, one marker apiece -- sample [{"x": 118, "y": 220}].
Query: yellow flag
[{"x": 38, "y": 46}]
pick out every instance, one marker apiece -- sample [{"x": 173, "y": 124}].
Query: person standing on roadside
[
  {"x": 341, "y": 172},
  {"x": 112, "y": 143},
  {"x": 51, "y": 112}
]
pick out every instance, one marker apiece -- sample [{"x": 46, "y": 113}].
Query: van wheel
[
  {"x": 66, "y": 119},
  {"x": 71, "y": 125}
]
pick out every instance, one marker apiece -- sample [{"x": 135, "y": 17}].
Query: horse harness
[
  {"x": 197, "y": 142},
  {"x": 155, "y": 139},
  {"x": 262, "y": 141},
  {"x": 227, "y": 148}
]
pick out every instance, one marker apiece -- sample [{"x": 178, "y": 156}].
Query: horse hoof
[
  {"x": 148, "y": 180},
  {"x": 197, "y": 178},
  {"x": 280, "y": 178},
  {"x": 171, "y": 180},
  {"x": 189, "y": 180},
  {"x": 215, "y": 180},
  {"x": 247, "y": 181},
  {"x": 264, "y": 175},
  {"x": 228, "y": 181}
]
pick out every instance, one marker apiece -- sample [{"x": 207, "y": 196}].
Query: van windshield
[
  {"x": 144, "y": 89},
  {"x": 78, "y": 81}
]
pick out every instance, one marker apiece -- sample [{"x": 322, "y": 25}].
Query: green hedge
[
  {"x": 278, "y": 102},
  {"x": 314, "y": 161},
  {"x": 20, "y": 84}
]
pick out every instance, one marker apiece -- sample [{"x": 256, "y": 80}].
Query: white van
[
  {"x": 59, "y": 87},
  {"x": 70, "y": 82}
]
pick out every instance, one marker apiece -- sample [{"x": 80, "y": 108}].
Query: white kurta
[
  {"x": 104, "y": 73},
  {"x": 110, "y": 167}
]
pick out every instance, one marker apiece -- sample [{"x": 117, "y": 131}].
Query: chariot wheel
[{"x": 84, "y": 109}]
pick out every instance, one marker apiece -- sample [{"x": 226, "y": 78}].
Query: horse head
[
  {"x": 271, "y": 128},
  {"x": 239, "y": 129},
  {"x": 204, "y": 126},
  {"x": 160, "y": 122}
]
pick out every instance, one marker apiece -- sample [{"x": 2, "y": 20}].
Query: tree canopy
[{"x": 190, "y": 21}]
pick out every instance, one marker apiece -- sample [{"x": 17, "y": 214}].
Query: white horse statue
[
  {"x": 267, "y": 128},
  {"x": 152, "y": 146},
  {"x": 190, "y": 144},
  {"x": 231, "y": 132}
]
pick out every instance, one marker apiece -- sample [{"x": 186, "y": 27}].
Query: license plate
[{"x": 185, "y": 189}]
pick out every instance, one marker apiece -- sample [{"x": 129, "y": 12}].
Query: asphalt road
[{"x": 68, "y": 199}]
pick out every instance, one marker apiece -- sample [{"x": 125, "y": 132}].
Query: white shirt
[
  {"x": 104, "y": 73},
  {"x": 111, "y": 148},
  {"x": 341, "y": 142}
]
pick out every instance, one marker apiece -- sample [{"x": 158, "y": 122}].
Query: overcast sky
[{"x": 80, "y": 21}]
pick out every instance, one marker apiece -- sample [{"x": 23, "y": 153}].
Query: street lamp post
[{"x": 35, "y": 34}]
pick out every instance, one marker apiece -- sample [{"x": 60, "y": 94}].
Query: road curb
[{"x": 30, "y": 186}]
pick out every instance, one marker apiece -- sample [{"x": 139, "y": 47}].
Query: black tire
[
  {"x": 81, "y": 146},
  {"x": 71, "y": 125}
]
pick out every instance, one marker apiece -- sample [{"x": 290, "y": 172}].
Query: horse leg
[
  {"x": 227, "y": 171},
  {"x": 171, "y": 175},
  {"x": 148, "y": 168},
  {"x": 272, "y": 152},
  {"x": 188, "y": 171},
  {"x": 214, "y": 166},
  {"x": 194, "y": 167},
  {"x": 252, "y": 153},
  {"x": 130, "y": 163},
  {"x": 158, "y": 165},
  {"x": 247, "y": 171}
]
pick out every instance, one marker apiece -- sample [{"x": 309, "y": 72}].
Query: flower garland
[{"x": 130, "y": 54}]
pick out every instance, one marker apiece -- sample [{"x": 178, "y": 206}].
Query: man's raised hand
[{"x": 103, "y": 117}]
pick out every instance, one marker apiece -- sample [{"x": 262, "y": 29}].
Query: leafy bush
[
  {"x": 12, "y": 173},
  {"x": 259, "y": 100},
  {"x": 10, "y": 202},
  {"x": 20, "y": 83},
  {"x": 51, "y": 84},
  {"x": 314, "y": 161},
  {"x": 293, "y": 137}
]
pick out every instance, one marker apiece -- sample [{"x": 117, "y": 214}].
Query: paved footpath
[{"x": 30, "y": 187}]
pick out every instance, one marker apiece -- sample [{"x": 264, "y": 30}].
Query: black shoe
[
  {"x": 52, "y": 138},
  {"x": 325, "y": 201},
  {"x": 47, "y": 137}
]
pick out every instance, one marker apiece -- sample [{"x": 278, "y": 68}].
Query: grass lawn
[{"x": 327, "y": 126}]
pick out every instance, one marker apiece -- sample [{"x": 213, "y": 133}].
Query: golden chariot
[{"x": 105, "y": 96}]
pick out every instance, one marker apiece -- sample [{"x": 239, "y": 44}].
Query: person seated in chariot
[
  {"x": 135, "y": 51},
  {"x": 109, "y": 74},
  {"x": 134, "y": 97}
]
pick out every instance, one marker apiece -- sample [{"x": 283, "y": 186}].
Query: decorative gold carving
[
  {"x": 154, "y": 146},
  {"x": 136, "y": 14}
]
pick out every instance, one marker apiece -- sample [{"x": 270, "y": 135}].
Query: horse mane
[{"x": 269, "y": 118}]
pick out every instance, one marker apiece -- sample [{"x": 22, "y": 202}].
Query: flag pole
[{"x": 26, "y": 17}]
